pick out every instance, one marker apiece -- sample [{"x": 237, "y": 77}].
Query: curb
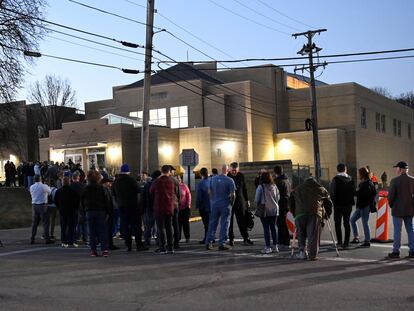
[{"x": 195, "y": 219}]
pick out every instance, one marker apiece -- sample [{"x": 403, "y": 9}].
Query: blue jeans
[
  {"x": 408, "y": 222},
  {"x": 364, "y": 214},
  {"x": 223, "y": 214},
  {"x": 116, "y": 222},
  {"x": 97, "y": 229},
  {"x": 269, "y": 224},
  {"x": 150, "y": 228},
  {"x": 30, "y": 181}
]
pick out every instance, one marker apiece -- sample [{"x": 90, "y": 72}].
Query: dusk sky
[{"x": 353, "y": 26}]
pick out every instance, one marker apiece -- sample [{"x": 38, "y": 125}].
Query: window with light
[{"x": 179, "y": 117}]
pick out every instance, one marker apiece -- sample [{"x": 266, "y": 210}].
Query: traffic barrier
[
  {"x": 381, "y": 227},
  {"x": 290, "y": 222}
]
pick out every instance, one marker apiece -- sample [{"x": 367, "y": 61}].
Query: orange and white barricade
[
  {"x": 290, "y": 222},
  {"x": 383, "y": 211}
]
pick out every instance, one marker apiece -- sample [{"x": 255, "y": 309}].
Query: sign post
[{"x": 189, "y": 160}]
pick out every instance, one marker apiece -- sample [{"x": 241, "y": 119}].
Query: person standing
[
  {"x": 184, "y": 213},
  {"x": 342, "y": 195},
  {"x": 400, "y": 198},
  {"x": 107, "y": 183},
  {"x": 203, "y": 200},
  {"x": 67, "y": 201},
  {"x": 148, "y": 209},
  {"x": 222, "y": 195},
  {"x": 365, "y": 194},
  {"x": 126, "y": 191},
  {"x": 39, "y": 193},
  {"x": 52, "y": 210},
  {"x": 7, "y": 173},
  {"x": 30, "y": 174},
  {"x": 12, "y": 174},
  {"x": 240, "y": 206},
  {"x": 166, "y": 193},
  {"x": 309, "y": 203},
  {"x": 82, "y": 224},
  {"x": 283, "y": 185},
  {"x": 268, "y": 196},
  {"x": 95, "y": 202}
]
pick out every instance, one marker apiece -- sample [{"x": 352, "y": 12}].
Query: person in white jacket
[{"x": 267, "y": 198}]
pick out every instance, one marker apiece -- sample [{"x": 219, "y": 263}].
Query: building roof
[{"x": 179, "y": 72}]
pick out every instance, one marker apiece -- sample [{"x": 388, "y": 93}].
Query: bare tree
[
  {"x": 406, "y": 99},
  {"x": 382, "y": 91},
  {"x": 20, "y": 30},
  {"x": 53, "y": 94}
]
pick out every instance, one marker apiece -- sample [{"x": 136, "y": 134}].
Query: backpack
[{"x": 51, "y": 196}]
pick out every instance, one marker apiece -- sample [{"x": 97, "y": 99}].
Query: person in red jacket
[
  {"x": 185, "y": 210},
  {"x": 166, "y": 192}
]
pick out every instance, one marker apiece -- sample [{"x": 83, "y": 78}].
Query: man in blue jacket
[{"x": 203, "y": 200}]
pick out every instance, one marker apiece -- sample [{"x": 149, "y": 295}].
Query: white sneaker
[
  {"x": 64, "y": 245},
  {"x": 275, "y": 249},
  {"x": 266, "y": 250}
]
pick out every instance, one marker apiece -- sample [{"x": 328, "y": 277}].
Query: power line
[
  {"x": 263, "y": 15},
  {"x": 92, "y": 41},
  {"x": 92, "y": 48},
  {"x": 112, "y": 14},
  {"x": 192, "y": 34},
  {"x": 124, "y": 43},
  {"x": 38, "y": 54},
  {"x": 248, "y": 18},
  {"x": 285, "y": 15},
  {"x": 134, "y": 3},
  {"x": 301, "y": 57},
  {"x": 211, "y": 99}
]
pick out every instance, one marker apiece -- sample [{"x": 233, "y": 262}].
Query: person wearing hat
[
  {"x": 400, "y": 198},
  {"x": 126, "y": 190}
]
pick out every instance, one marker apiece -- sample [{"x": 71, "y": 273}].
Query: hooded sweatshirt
[{"x": 342, "y": 190}]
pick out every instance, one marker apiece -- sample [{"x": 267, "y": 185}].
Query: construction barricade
[{"x": 383, "y": 212}]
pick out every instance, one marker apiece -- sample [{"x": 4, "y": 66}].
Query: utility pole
[
  {"x": 147, "y": 87},
  {"x": 309, "y": 49}
]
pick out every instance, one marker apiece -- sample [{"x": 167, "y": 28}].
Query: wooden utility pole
[
  {"x": 309, "y": 49},
  {"x": 147, "y": 87}
]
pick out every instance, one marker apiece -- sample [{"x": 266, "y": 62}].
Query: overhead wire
[
  {"x": 125, "y": 43},
  {"x": 248, "y": 18},
  {"x": 285, "y": 15},
  {"x": 38, "y": 54},
  {"x": 92, "y": 48},
  {"x": 305, "y": 57},
  {"x": 265, "y": 16}
]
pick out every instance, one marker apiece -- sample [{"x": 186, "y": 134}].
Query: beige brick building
[{"x": 245, "y": 115}]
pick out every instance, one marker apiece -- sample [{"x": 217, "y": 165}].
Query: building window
[
  {"x": 363, "y": 117},
  {"x": 136, "y": 114},
  {"x": 378, "y": 122},
  {"x": 156, "y": 116},
  {"x": 409, "y": 131},
  {"x": 179, "y": 117},
  {"x": 394, "y": 124},
  {"x": 383, "y": 129},
  {"x": 399, "y": 128}
]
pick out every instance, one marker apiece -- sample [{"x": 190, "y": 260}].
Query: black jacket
[
  {"x": 125, "y": 190},
  {"x": 67, "y": 201},
  {"x": 283, "y": 185},
  {"x": 148, "y": 199},
  {"x": 365, "y": 194},
  {"x": 95, "y": 198},
  {"x": 342, "y": 190},
  {"x": 241, "y": 190}
]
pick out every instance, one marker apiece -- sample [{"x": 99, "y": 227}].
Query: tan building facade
[{"x": 245, "y": 115}]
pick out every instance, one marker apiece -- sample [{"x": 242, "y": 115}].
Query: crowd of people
[{"x": 94, "y": 208}]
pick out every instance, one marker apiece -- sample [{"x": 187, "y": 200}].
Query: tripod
[{"x": 328, "y": 222}]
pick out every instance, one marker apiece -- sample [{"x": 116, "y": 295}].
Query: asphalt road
[{"x": 47, "y": 277}]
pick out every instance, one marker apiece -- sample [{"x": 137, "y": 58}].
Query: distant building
[
  {"x": 247, "y": 115},
  {"x": 21, "y": 125}
]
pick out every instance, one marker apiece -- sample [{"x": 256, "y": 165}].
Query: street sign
[{"x": 189, "y": 157}]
